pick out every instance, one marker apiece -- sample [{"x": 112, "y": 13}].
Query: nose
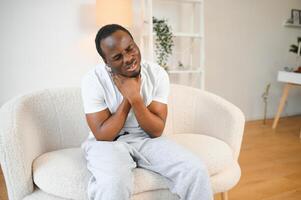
[{"x": 128, "y": 59}]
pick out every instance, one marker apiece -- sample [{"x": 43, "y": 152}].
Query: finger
[{"x": 115, "y": 79}]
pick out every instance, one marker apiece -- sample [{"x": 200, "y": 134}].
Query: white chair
[{"x": 41, "y": 133}]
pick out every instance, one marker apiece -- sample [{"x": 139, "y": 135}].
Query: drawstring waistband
[{"x": 124, "y": 133}]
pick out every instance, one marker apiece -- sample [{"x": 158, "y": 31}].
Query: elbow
[
  {"x": 103, "y": 139},
  {"x": 100, "y": 136},
  {"x": 156, "y": 134}
]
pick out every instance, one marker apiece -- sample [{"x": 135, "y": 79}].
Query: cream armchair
[{"x": 41, "y": 133}]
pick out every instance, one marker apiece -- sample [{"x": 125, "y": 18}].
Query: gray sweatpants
[{"x": 111, "y": 165}]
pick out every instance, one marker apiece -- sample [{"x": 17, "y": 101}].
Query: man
[{"x": 125, "y": 102}]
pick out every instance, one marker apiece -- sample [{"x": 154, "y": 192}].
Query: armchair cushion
[{"x": 64, "y": 173}]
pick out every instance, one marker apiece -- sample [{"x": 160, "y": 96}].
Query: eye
[
  {"x": 130, "y": 48},
  {"x": 117, "y": 57}
]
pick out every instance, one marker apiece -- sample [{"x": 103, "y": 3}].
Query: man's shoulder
[
  {"x": 150, "y": 64},
  {"x": 88, "y": 77},
  {"x": 93, "y": 74},
  {"x": 153, "y": 68}
]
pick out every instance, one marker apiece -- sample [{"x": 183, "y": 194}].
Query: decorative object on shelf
[
  {"x": 289, "y": 21},
  {"x": 298, "y": 70},
  {"x": 264, "y": 97},
  {"x": 180, "y": 64},
  {"x": 296, "y": 16},
  {"x": 295, "y": 19},
  {"x": 288, "y": 69},
  {"x": 297, "y": 50},
  {"x": 163, "y": 41}
]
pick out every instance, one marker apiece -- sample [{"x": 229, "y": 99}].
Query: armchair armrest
[
  {"x": 220, "y": 119},
  {"x": 197, "y": 111},
  {"x": 20, "y": 143}
]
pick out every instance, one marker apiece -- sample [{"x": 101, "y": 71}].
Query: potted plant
[
  {"x": 163, "y": 41},
  {"x": 294, "y": 48},
  {"x": 297, "y": 50}
]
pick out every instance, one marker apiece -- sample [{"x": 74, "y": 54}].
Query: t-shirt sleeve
[
  {"x": 92, "y": 95},
  {"x": 162, "y": 87}
]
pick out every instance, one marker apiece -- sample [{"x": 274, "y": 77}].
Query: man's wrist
[
  {"x": 135, "y": 100},
  {"x": 126, "y": 105}
]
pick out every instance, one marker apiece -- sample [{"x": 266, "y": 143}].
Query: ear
[{"x": 104, "y": 60}]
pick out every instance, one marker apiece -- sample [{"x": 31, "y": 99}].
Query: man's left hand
[{"x": 128, "y": 87}]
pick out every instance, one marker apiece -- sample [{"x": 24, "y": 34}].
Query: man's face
[{"x": 121, "y": 54}]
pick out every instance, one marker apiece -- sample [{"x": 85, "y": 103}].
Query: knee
[
  {"x": 111, "y": 187},
  {"x": 196, "y": 165},
  {"x": 116, "y": 180}
]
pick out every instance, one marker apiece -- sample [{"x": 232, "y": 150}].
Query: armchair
[{"x": 41, "y": 133}]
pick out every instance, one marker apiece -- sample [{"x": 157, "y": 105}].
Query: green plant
[
  {"x": 293, "y": 47},
  {"x": 163, "y": 41}
]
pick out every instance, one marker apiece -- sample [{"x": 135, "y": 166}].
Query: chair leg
[{"x": 224, "y": 195}]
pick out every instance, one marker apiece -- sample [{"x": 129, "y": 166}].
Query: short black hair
[{"x": 106, "y": 31}]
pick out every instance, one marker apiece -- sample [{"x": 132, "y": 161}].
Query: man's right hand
[{"x": 128, "y": 87}]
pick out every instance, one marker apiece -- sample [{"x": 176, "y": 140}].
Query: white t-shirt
[{"x": 99, "y": 91}]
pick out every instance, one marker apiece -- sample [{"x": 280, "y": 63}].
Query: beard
[{"x": 135, "y": 74}]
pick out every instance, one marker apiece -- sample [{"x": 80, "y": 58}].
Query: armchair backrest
[
  {"x": 59, "y": 118},
  {"x": 200, "y": 112},
  {"x": 57, "y": 115}
]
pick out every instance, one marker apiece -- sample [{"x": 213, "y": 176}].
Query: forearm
[
  {"x": 148, "y": 121},
  {"x": 109, "y": 129}
]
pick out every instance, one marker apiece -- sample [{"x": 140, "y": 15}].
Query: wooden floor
[
  {"x": 3, "y": 193},
  {"x": 270, "y": 162}
]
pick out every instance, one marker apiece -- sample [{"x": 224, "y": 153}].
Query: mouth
[{"x": 132, "y": 67}]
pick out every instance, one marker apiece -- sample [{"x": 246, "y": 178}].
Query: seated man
[{"x": 125, "y": 102}]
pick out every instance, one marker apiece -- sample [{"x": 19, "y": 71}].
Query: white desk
[{"x": 291, "y": 79}]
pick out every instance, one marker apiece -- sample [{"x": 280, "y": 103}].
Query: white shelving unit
[
  {"x": 292, "y": 25},
  {"x": 186, "y": 64}
]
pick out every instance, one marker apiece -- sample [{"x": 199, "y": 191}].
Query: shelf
[
  {"x": 185, "y": 1},
  {"x": 184, "y": 71},
  {"x": 181, "y": 34},
  {"x": 292, "y": 25},
  {"x": 186, "y": 19}
]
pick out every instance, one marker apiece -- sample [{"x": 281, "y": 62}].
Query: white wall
[
  {"x": 51, "y": 44},
  {"x": 246, "y": 45},
  {"x": 44, "y": 44}
]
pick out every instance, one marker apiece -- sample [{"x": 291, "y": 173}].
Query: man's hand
[
  {"x": 152, "y": 118},
  {"x": 128, "y": 87}
]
